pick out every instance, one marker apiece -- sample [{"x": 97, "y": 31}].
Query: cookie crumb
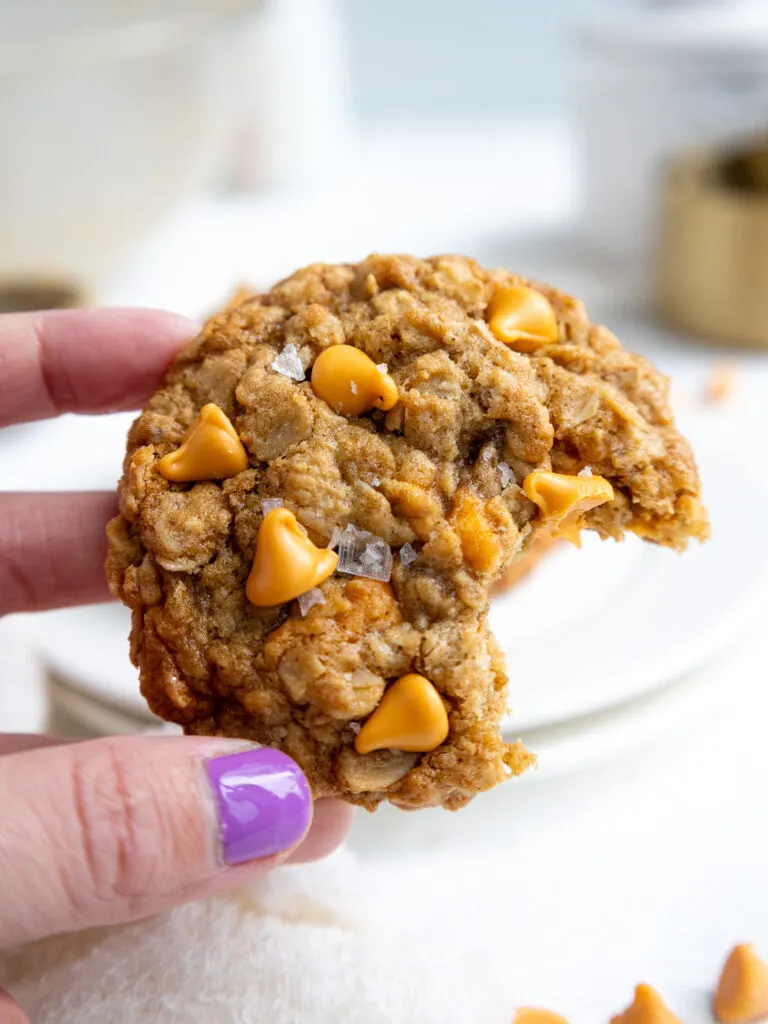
[
  {"x": 742, "y": 991},
  {"x": 288, "y": 363},
  {"x": 310, "y": 599},
  {"x": 720, "y": 386},
  {"x": 241, "y": 293},
  {"x": 363, "y": 554}
]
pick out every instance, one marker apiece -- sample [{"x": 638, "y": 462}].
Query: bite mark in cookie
[{"x": 438, "y": 476}]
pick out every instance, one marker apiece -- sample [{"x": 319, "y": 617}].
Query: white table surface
[{"x": 647, "y": 867}]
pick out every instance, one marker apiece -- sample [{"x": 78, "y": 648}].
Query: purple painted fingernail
[{"x": 263, "y": 802}]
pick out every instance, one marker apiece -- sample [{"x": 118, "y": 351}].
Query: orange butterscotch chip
[
  {"x": 210, "y": 450},
  {"x": 479, "y": 545},
  {"x": 410, "y": 716},
  {"x": 561, "y": 497},
  {"x": 351, "y": 383},
  {"x": 287, "y": 563},
  {"x": 521, "y": 317},
  {"x": 647, "y": 1008},
  {"x": 528, "y": 1015},
  {"x": 742, "y": 992}
]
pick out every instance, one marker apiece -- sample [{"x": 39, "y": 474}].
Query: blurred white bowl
[{"x": 110, "y": 114}]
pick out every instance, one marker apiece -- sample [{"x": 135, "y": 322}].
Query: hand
[{"x": 111, "y": 830}]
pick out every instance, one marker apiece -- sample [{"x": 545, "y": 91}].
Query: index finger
[{"x": 84, "y": 360}]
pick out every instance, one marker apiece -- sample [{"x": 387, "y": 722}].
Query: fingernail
[{"x": 263, "y": 802}]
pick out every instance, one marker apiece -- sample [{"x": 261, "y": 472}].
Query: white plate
[
  {"x": 88, "y": 648},
  {"x": 619, "y": 731},
  {"x": 588, "y": 630},
  {"x": 662, "y": 719},
  {"x": 591, "y": 629}
]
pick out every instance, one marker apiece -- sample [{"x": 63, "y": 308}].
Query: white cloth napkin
[{"x": 337, "y": 941}]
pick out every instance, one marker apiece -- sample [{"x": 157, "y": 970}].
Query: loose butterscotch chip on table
[
  {"x": 742, "y": 991},
  {"x": 529, "y": 1015},
  {"x": 646, "y": 1008},
  {"x": 387, "y": 416}
]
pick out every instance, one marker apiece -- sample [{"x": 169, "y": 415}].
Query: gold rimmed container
[
  {"x": 712, "y": 259},
  {"x": 23, "y": 294}
]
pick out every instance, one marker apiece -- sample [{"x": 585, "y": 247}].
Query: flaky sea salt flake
[
  {"x": 587, "y": 471},
  {"x": 353, "y": 387},
  {"x": 333, "y": 542},
  {"x": 370, "y": 556},
  {"x": 310, "y": 599},
  {"x": 269, "y": 504},
  {"x": 288, "y": 363},
  {"x": 408, "y": 554},
  {"x": 506, "y": 474},
  {"x": 364, "y": 554},
  {"x": 382, "y": 367}
]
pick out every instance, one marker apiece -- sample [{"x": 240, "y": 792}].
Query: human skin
[{"x": 114, "y": 829}]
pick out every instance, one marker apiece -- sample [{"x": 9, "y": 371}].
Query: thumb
[
  {"x": 110, "y": 830},
  {"x": 10, "y": 1012}
]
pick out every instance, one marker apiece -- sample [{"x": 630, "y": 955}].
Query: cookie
[
  {"x": 316, "y": 502},
  {"x": 540, "y": 545}
]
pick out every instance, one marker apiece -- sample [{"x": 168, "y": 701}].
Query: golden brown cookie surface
[{"x": 436, "y": 483}]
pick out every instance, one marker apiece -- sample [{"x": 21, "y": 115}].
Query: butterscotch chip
[
  {"x": 210, "y": 450},
  {"x": 286, "y": 564},
  {"x": 646, "y": 1008},
  {"x": 478, "y": 544},
  {"x": 411, "y": 716},
  {"x": 564, "y": 498},
  {"x": 522, "y": 317},
  {"x": 423, "y": 493},
  {"x": 350, "y": 382},
  {"x": 528, "y": 1015},
  {"x": 742, "y": 991}
]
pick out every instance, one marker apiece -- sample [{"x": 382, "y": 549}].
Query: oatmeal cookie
[
  {"x": 540, "y": 545},
  {"x": 316, "y": 502}
]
